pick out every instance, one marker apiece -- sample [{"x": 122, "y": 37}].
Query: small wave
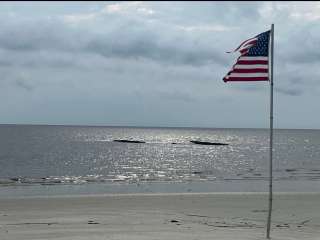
[{"x": 137, "y": 175}]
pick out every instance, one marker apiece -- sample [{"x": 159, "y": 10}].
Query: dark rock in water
[
  {"x": 92, "y": 222},
  {"x": 291, "y": 170},
  {"x": 129, "y": 141},
  {"x": 209, "y": 143},
  {"x": 15, "y": 179}
]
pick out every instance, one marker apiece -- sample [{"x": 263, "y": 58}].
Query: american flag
[{"x": 252, "y": 65}]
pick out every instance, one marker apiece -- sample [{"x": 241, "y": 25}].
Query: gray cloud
[
  {"x": 175, "y": 96},
  {"x": 289, "y": 92},
  {"x": 24, "y": 84},
  {"x": 151, "y": 49},
  {"x": 126, "y": 42}
]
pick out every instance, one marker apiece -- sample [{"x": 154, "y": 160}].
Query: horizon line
[{"x": 137, "y": 126}]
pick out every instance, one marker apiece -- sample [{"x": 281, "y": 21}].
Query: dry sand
[{"x": 160, "y": 216}]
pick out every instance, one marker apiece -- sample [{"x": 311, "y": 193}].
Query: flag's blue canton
[{"x": 261, "y": 46}]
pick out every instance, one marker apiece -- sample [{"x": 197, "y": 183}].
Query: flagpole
[{"x": 271, "y": 134}]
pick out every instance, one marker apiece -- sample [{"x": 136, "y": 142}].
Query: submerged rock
[
  {"x": 208, "y": 143},
  {"x": 128, "y": 141}
]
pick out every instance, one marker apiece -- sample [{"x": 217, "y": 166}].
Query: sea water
[{"x": 53, "y": 160}]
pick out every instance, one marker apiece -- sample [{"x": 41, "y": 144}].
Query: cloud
[
  {"x": 20, "y": 82},
  {"x": 308, "y": 11},
  {"x": 78, "y": 18},
  {"x": 175, "y": 96},
  {"x": 150, "y": 47},
  {"x": 207, "y": 28},
  {"x": 289, "y": 92},
  {"x": 139, "y": 41},
  {"x": 127, "y": 7}
]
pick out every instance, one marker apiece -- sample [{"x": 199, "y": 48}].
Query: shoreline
[
  {"x": 162, "y": 194},
  {"x": 193, "y": 187}
]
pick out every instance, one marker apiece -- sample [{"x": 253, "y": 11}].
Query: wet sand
[{"x": 160, "y": 216}]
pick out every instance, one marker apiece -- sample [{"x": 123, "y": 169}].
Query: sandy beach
[{"x": 160, "y": 216}]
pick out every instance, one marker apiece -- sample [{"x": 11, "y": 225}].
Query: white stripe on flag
[
  {"x": 239, "y": 66},
  {"x": 253, "y": 58},
  {"x": 248, "y": 75}
]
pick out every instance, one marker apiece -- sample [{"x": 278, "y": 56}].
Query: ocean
[{"x": 54, "y": 160}]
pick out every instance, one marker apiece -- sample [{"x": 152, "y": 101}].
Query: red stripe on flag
[
  {"x": 252, "y": 62},
  {"x": 244, "y": 51},
  {"x": 245, "y": 79},
  {"x": 251, "y": 70},
  {"x": 251, "y": 42}
]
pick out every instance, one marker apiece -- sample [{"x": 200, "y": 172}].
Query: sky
[{"x": 155, "y": 64}]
